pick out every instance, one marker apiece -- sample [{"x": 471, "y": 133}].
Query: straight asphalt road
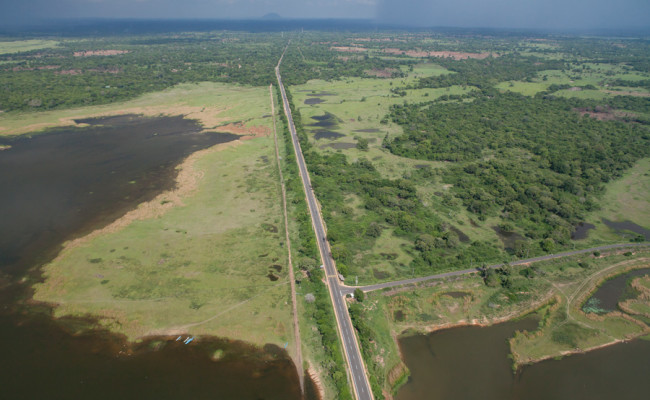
[
  {"x": 346, "y": 332},
  {"x": 350, "y": 289}
]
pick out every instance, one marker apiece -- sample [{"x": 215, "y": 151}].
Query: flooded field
[
  {"x": 472, "y": 363},
  {"x": 624, "y": 227},
  {"x": 64, "y": 183}
]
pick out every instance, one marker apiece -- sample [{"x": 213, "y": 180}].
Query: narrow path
[{"x": 292, "y": 279}]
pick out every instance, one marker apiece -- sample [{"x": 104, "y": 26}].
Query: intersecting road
[
  {"x": 346, "y": 331},
  {"x": 350, "y": 289}
]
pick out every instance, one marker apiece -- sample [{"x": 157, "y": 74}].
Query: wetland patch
[
  {"x": 326, "y": 134},
  {"x": 621, "y": 227},
  {"x": 313, "y": 101},
  {"x": 507, "y": 238},
  {"x": 65, "y": 182},
  {"x": 582, "y": 230}
]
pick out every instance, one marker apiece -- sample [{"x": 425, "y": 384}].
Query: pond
[{"x": 608, "y": 295}]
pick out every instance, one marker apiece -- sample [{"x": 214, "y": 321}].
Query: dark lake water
[
  {"x": 61, "y": 184},
  {"x": 472, "y": 363}
]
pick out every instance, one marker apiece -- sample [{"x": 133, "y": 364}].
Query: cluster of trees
[
  {"x": 311, "y": 60},
  {"x": 486, "y": 73},
  {"x": 533, "y": 161}
]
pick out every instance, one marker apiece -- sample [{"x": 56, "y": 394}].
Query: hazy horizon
[{"x": 515, "y": 14}]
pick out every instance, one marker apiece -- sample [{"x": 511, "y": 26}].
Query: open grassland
[
  {"x": 212, "y": 104},
  {"x": 20, "y": 46},
  {"x": 625, "y": 199},
  {"x": 543, "y": 288},
  {"x": 215, "y": 264}
]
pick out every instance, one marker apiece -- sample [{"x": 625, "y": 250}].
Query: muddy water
[
  {"x": 472, "y": 363},
  {"x": 64, "y": 183}
]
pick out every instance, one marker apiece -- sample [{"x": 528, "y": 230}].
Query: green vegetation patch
[
  {"x": 517, "y": 160},
  {"x": 20, "y": 46}
]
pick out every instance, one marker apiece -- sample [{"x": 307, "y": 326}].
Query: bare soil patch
[
  {"x": 380, "y": 73},
  {"x": 89, "y": 53},
  {"x": 604, "y": 114},
  {"x": 627, "y": 93},
  {"x": 443, "y": 54},
  {"x": 348, "y": 49}
]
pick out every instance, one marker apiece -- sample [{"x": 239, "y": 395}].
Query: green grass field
[
  {"x": 20, "y": 46},
  {"x": 201, "y": 268}
]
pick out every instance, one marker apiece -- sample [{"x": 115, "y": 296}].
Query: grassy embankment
[
  {"x": 202, "y": 267},
  {"x": 564, "y": 328}
]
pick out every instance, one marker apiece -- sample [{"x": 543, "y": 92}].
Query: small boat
[
  {"x": 178, "y": 338},
  {"x": 189, "y": 340}
]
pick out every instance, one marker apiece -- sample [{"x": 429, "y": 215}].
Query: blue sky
[{"x": 554, "y": 14}]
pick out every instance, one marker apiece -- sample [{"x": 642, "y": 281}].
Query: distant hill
[{"x": 271, "y": 16}]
